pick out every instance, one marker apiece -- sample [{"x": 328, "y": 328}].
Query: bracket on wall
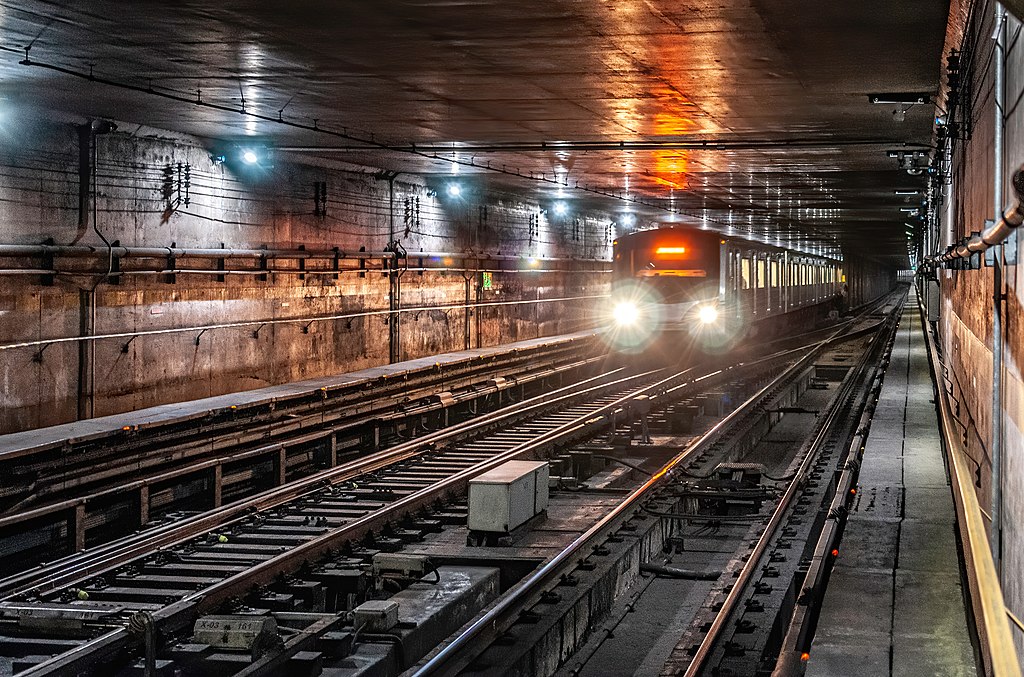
[
  {"x": 114, "y": 277},
  {"x": 124, "y": 348},
  {"x": 262, "y": 277},
  {"x": 305, "y": 330},
  {"x": 172, "y": 263},
  {"x": 201, "y": 335},
  {"x": 256, "y": 334},
  {"x": 221, "y": 266},
  {"x": 990, "y": 253},
  {"x": 38, "y": 357},
  {"x": 47, "y": 264}
]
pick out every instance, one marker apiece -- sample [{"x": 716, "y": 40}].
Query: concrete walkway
[{"x": 894, "y": 604}]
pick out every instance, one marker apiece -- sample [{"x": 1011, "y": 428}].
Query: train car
[{"x": 684, "y": 281}]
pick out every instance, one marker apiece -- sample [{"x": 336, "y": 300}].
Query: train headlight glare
[
  {"x": 707, "y": 314},
  {"x": 626, "y": 313}
]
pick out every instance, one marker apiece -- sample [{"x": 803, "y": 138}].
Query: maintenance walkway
[{"x": 894, "y": 604}]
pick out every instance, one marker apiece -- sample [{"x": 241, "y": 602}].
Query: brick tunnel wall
[
  {"x": 966, "y": 311},
  {"x": 136, "y": 205}
]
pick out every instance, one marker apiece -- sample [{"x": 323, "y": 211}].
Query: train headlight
[
  {"x": 626, "y": 313},
  {"x": 707, "y": 314}
]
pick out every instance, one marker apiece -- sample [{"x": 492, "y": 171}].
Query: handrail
[{"x": 998, "y": 654}]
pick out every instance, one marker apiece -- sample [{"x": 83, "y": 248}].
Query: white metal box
[
  {"x": 375, "y": 615},
  {"x": 504, "y": 498}
]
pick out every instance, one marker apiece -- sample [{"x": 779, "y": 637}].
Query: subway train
[{"x": 693, "y": 285}]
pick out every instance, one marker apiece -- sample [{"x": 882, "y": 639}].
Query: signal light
[
  {"x": 835, "y": 552},
  {"x": 805, "y": 657}
]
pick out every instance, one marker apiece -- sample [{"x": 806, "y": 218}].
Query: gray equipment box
[{"x": 504, "y": 498}]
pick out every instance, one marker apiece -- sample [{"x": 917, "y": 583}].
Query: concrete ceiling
[{"x": 751, "y": 114}]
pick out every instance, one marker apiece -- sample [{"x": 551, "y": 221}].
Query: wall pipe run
[
  {"x": 999, "y": 93},
  {"x": 294, "y": 320},
  {"x": 995, "y": 234},
  {"x": 34, "y": 250}
]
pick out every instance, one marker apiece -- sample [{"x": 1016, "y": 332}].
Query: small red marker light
[
  {"x": 127, "y": 427},
  {"x": 835, "y": 552},
  {"x": 805, "y": 657},
  {"x": 853, "y": 491}
]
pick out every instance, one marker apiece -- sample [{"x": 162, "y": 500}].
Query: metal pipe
[
  {"x": 997, "y": 291},
  {"x": 284, "y": 271},
  {"x": 1012, "y": 218},
  {"x": 36, "y": 250},
  {"x": 11, "y": 250},
  {"x": 291, "y": 320}
]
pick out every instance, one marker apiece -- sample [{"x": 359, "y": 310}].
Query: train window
[
  {"x": 760, "y": 274},
  {"x": 745, "y": 272},
  {"x": 775, "y": 273}
]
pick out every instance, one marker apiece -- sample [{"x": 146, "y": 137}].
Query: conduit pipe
[
  {"x": 995, "y": 234},
  {"x": 996, "y": 450},
  {"x": 16, "y": 250},
  {"x": 11, "y": 250}
]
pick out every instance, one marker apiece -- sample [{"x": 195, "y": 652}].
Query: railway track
[
  {"x": 87, "y": 493},
  {"x": 720, "y": 641},
  {"x": 301, "y": 547},
  {"x": 295, "y": 525}
]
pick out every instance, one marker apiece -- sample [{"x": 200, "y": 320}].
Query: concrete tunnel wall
[
  {"x": 39, "y": 201},
  {"x": 966, "y": 312}
]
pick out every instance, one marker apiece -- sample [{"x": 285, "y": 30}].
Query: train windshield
[{"x": 676, "y": 265}]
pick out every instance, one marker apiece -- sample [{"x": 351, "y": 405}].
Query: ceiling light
[
  {"x": 561, "y": 208},
  {"x": 454, "y": 190},
  {"x": 910, "y": 98},
  {"x": 628, "y": 219},
  {"x": 250, "y": 157},
  {"x": 906, "y": 192}
]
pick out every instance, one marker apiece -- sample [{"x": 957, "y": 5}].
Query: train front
[{"x": 666, "y": 290}]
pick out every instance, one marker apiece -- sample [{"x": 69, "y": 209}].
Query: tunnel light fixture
[
  {"x": 628, "y": 219},
  {"x": 561, "y": 209},
  {"x": 249, "y": 156},
  {"x": 906, "y": 192},
  {"x": 454, "y": 190},
  {"x": 905, "y": 98}
]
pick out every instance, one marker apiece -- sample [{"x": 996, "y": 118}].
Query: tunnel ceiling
[{"x": 749, "y": 114}]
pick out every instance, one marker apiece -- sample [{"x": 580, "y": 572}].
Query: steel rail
[
  {"x": 457, "y": 654},
  {"x": 738, "y": 589},
  {"x": 799, "y": 634},
  {"x": 276, "y": 405},
  {"x": 180, "y": 613},
  {"x": 463, "y": 649},
  {"x": 57, "y": 575},
  {"x": 299, "y": 435},
  {"x": 992, "y": 626}
]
